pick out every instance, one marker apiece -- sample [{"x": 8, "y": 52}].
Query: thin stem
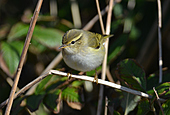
[
  {"x": 24, "y": 51},
  {"x": 158, "y": 100},
  {"x": 104, "y": 65},
  {"x": 160, "y": 40},
  {"x": 100, "y": 17}
]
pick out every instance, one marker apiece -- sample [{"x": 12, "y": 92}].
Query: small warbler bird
[{"x": 83, "y": 50}]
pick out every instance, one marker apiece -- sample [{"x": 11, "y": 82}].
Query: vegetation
[{"x": 132, "y": 57}]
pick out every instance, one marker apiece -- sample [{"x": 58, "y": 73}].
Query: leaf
[
  {"x": 42, "y": 84},
  {"x": 33, "y": 102},
  {"x": 166, "y": 108},
  {"x": 70, "y": 94},
  {"x": 36, "y": 47},
  {"x": 17, "y": 106},
  {"x": 162, "y": 90},
  {"x": 55, "y": 82},
  {"x": 143, "y": 107},
  {"x": 17, "y": 31},
  {"x": 47, "y": 36},
  {"x": 50, "y": 100},
  {"x": 129, "y": 102},
  {"x": 11, "y": 54},
  {"x": 118, "y": 10},
  {"x": 75, "y": 105},
  {"x": 153, "y": 79},
  {"x": 77, "y": 84},
  {"x": 132, "y": 73}
]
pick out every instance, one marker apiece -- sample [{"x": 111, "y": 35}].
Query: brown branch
[
  {"x": 100, "y": 17},
  {"x": 24, "y": 52},
  {"x": 104, "y": 65},
  {"x": 158, "y": 100}
]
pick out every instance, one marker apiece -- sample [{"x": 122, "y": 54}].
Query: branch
[
  {"x": 103, "y": 82},
  {"x": 104, "y": 65},
  {"x": 24, "y": 51},
  {"x": 82, "y": 77},
  {"x": 157, "y": 97},
  {"x": 100, "y": 100},
  {"x": 100, "y": 16},
  {"x": 160, "y": 40}
]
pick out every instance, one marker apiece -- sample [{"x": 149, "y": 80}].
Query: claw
[
  {"x": 69, "y": 75},
  {"x": 95, "y": 78}
]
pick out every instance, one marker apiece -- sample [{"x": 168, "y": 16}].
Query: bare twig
[
  {"x": 109, "y": 76},
  {"x": 103, "y": 82},
  {"x": 82, "y": 77},
  {"x": 100, "y": 100},
  {"x": 106, "y": 105},
  {"x": 100, "y": 17},
  {"x": 158, "y": 100},
  {"x": 20, "y": 65},
  {"x": 160, "y": 40}
]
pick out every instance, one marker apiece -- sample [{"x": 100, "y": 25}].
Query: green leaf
[
  {"x": 162, "y": 90},
  {"x": 47, "y": 36},
  {"x": 55, "y": 82},
  {"x": 153, "y": 79},
  {"x": 16, "y": 107},
  {"x": 132, "y": 73},
  {"x": 11, "y": 54},
  {"x": 42, "y": 84},
  {"x": 166, "y": 108},
  {"x": 134, "y": 34},
  {"x": 36, "y": 47},
  {"x": 118, "y": 10},
  {"x": 33, "y": 102},
  {"x": 117, "y": 47},
  {"x": 70, "y": 94},
  {"x": 143, "y": 107},
  {"x": 129, "y": 102},
  {"x": 17, "y": 31},
  {"x": 116, "y": 113},
  {"x": 77, "y": 83},
  {"x": 50, "y": 101}
]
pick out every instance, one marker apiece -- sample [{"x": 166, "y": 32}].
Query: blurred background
[{"x": 134, "y": 25}]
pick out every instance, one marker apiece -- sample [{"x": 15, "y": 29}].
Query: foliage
[{"x": 132, "y": 60}]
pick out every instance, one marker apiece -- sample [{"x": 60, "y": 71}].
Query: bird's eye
[
  {"x": 72, "y": 42},
  {"x": 97, "y": 47}
]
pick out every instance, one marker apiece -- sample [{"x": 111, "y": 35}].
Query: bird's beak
[{"x": 63, "y": 46}]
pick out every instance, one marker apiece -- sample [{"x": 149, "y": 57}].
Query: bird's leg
[{"x": 95, "y": 77}]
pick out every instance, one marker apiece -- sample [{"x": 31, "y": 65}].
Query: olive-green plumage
[{"x": 83, "y": 50}]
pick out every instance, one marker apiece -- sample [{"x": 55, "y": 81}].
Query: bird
[{"x": 83, "y": 50}]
